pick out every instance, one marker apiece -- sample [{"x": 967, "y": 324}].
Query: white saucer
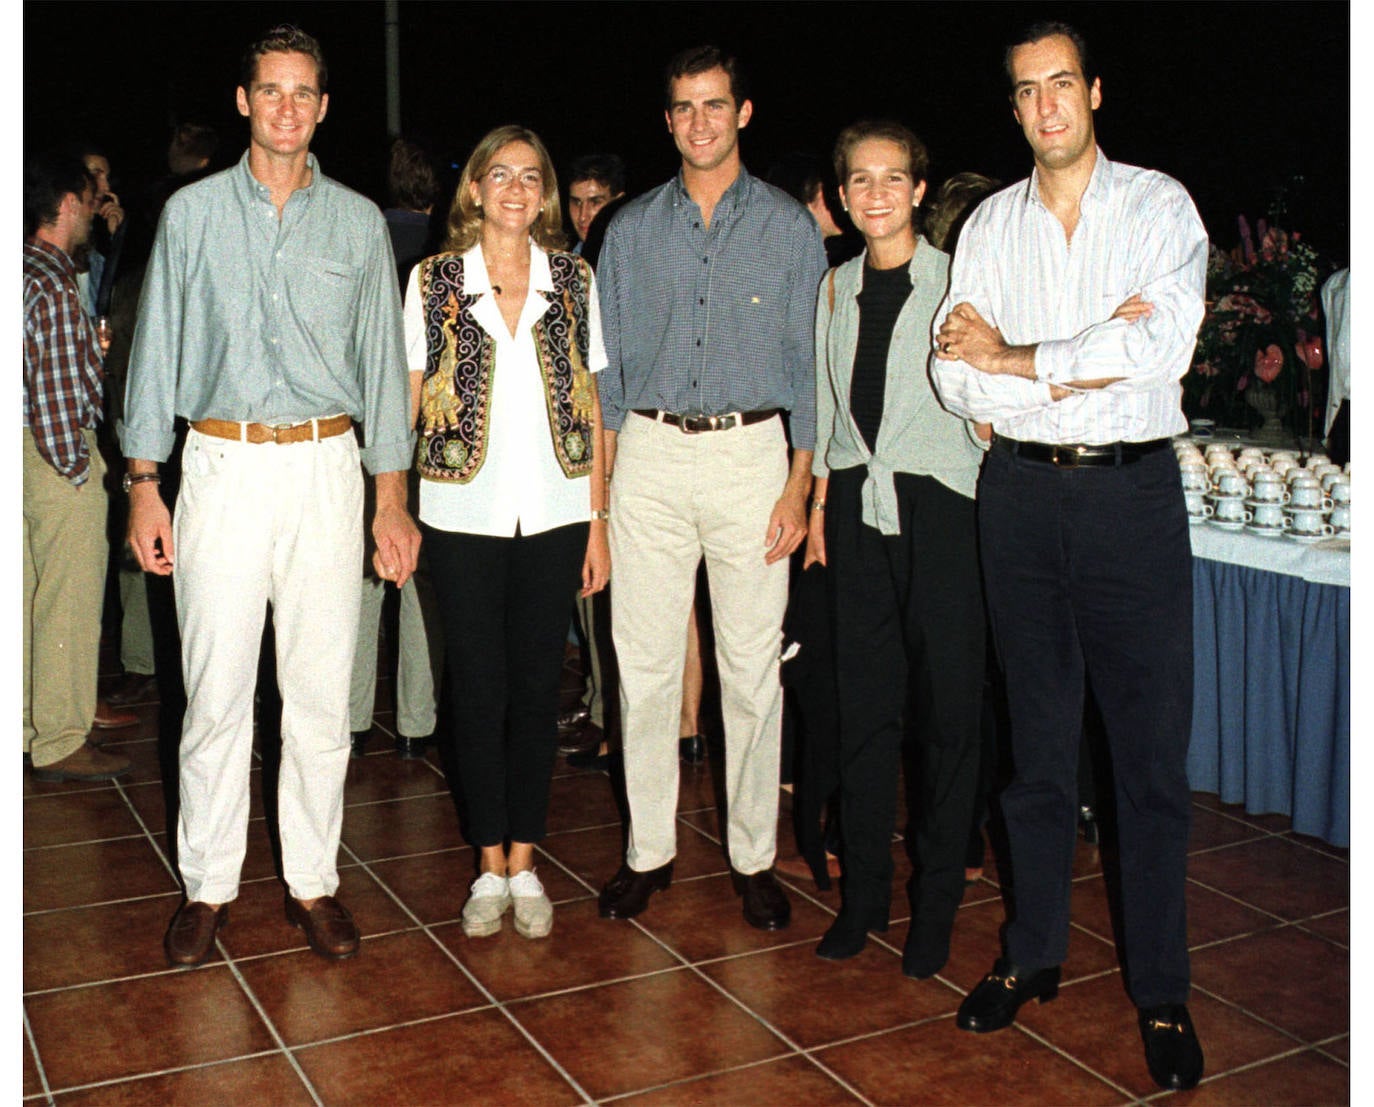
[
  {"x": 1252, "y": 502},
  {"x": 1226, "y": 495},
  {"x": 1196, "y": 519},
  {"x": 1307, "y": 539},
  {"x": 1264, "y": 532},
  {"x": 1226, "y": 524}
]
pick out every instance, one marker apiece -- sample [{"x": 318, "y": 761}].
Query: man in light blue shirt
[{"x": 271, "y": 322}]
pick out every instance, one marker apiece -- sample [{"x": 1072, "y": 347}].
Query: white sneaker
[
  {"x": 533, "y": 911},
  {"x": 487, "y": 902}
]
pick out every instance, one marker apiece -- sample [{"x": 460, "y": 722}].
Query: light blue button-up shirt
[{"x": 249, "y": 317}]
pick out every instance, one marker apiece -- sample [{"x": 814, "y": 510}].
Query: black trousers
[
  {"x": 503, "y": 606},
  {"x": 1089, "y": 575},
  {"x": 909, "y": 657}
]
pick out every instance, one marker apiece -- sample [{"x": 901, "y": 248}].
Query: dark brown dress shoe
[
  {"x": 999, "y": 995},
  {"x": 190, "y": 938},
  {"x": 133, "y": 688},
  {"x": 765, "y": 904},
  {"x": 86, "y": 763},
  {"x": 627, "y": 893},
  {"x": 573, "y": 720},
  {"x": 112, "y": 718},
  {"x": 411, "y": 749},
  {"x": 328, "y": 926},
  {"x": 1171, "y": 1047}
]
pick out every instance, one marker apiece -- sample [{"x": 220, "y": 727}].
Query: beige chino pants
[
  {"x": 65, "y": 553},
  {"x": 677, "y": 498},
  {"x": 253, "y": 524}
]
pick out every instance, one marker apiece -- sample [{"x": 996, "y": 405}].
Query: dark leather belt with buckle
[
  {"x": 696, "y": 424},
  {"x": 281, "y": 434},
  {"x": 1075, "y": 456}
]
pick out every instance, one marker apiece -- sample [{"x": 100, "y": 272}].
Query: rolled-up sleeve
[
  {"x": 610, "y": 270},
  {"x": 388, "y": 438},
  {"x": 155, "y": 358}
]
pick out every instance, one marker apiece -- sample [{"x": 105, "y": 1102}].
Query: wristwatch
[{"x": 131, "y": 479}]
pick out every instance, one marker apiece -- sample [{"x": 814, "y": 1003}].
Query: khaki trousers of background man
[
  {"x": 675, "y": 499},
  {"x": 65, "y": 551}
]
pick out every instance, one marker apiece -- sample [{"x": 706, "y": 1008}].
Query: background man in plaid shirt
[{"x": 64, "y": 498}]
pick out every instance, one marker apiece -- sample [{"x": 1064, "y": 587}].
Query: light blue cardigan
[{"x": 917, "y": 435}]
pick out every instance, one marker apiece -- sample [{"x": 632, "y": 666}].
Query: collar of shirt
[
  {"x": 55, "y": 254},
  {"x": 1097, "y": 192},
  {"x": 731, "y": 200},
  {"x": 255, "y": 189},
  {"x": 477, "y": 281}
]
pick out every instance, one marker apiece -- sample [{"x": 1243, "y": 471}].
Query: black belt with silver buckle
[
  {"x": 695, "y": 424},
  {"x": 1076, "y": 456}
]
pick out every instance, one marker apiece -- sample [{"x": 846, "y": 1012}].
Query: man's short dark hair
[
  {"x": 1045, "y": 29},
  {"x": 49, "y": 176},
  {"x": 604, "y": 169},
  {"x": 192, "y": 145},
  {"x": 412, "y": 181},
  {"x": 284, "y": 38},
  {"x": 702, "y": 59}
]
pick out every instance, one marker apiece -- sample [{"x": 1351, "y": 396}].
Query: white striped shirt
[{"x": 1138, "y": 232}]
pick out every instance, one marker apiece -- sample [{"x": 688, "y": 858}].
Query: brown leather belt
[
  {"x": 695, "y": 424},
  {"x": 1073, "y": 456},
  {"x": 281, "y": 434}
]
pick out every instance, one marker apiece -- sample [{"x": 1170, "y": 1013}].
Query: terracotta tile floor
[{"x": 685, "y": 1005}]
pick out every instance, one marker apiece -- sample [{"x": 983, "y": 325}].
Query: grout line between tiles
[{"x": 37, "y": 1060}]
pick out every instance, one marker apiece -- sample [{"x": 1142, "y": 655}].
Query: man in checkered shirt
[{"x": 64, "y": 498}]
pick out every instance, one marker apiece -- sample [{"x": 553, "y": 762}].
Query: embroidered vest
[{"x": 455, "y": 396}]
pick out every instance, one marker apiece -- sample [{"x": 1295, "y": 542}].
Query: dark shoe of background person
[
  {"x": 359, "y": 742},
  {"x": 692, "y": 749},
  {"x": 627, "y": 893},
  {"x": 133, "y": 688},
  {"x": 926, "y": 950},
  {"x": 846, "y": 938},
  {"x": 411, "y": 749},
  {"x": 994, "y": 1002},
  {"x": 190, "y": 937},
  {"x": 574, "y": 719},
  {"x": 1172, "y": 1051},
  {"x": 797, "y": 866},
  {"x": 112, "y": 718},
  {"x": 1088, "y": 826},
  {"x": 765, "y": 903},
  {"x": 596, "y": 757},
  {"x": 86, "y": 763},
  {"x": 585, "y": 738},
  {"x": 328, "y": 926}
]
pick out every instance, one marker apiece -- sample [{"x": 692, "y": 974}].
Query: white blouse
[{"x": 520, "y": 482}]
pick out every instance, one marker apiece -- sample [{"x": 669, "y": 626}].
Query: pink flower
[{"x": 1268, "y": 363}]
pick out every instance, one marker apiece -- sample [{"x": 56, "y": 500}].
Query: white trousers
[
  {"x": 257, "y": 524},
  {"x": 675, "y": 499},
  {"x": 419, "y": 658}
]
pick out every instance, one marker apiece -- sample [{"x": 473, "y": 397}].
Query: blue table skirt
[{"x": 1271, "y": 707}]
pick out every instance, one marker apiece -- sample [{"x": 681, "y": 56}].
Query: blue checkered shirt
[{"x": 711, "y": 320}]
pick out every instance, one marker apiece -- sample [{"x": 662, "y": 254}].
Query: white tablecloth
[{"x": 1325, "y": 562}]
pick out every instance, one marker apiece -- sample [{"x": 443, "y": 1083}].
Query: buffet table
[{"x": 1271, "y": 708}]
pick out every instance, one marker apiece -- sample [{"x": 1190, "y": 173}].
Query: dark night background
[{"x": 1237, "y": 100}]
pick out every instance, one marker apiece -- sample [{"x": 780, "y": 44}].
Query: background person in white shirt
[
  {"x": 1073, "y": 309},
  {"x": 503, "y": 335}
]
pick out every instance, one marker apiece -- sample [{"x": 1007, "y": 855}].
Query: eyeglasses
[{"x": 502, "y": 175}]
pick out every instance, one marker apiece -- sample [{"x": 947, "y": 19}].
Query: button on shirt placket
[
  {"x": 702, "y": 240},
  {"x": 277, "y": 307}
]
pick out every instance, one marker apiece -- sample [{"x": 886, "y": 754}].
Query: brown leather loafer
[
  {"x": 328, "y": 926},
  {"x": 112, "y": 718},
  {"x": 86, "y": 763},
  {"x": 190, "y": 938}
]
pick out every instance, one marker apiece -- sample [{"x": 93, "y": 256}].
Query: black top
[{"x": 880, "y": 301}]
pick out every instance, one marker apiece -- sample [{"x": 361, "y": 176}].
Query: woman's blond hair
[{"x": 465, "y": 216}]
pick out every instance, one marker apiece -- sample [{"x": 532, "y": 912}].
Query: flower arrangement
[{"x": 1260, "y": 342}]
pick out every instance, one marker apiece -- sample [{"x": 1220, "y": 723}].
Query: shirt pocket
[{"x": 325, "y": 294}]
